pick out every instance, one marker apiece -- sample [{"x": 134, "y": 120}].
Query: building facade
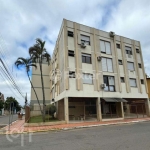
[{"x": 96, "y": 75}]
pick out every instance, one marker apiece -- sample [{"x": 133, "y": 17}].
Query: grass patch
[{"x": 38, "y": 119}]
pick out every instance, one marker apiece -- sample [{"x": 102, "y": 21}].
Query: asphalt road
[
  {"x": 5, "y": 119},
  {"x": 117, "y": 137}
]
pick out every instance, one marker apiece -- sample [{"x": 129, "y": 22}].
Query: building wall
[
  {"x": 36, "y": 80},
  {"x": 148, "y": 85},
  {"x": 75, "y": 87}
]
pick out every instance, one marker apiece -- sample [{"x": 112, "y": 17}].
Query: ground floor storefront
[{"x": 77, "y": 109}]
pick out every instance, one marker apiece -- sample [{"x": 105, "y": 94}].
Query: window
[
  {"x": 85, "y": 39},
  {"x": 86, "y": 58},
  {"x": 71, "y": 53},
  {"x": 137, "y": 50},
  {"x": 130, "y": 66},
  {"x": 133, "y": 82},
  {"x": 142, "y": 81},
  {"x": 140, "y": 66},
  {"x": 128, "y": 50},
  {"x": 110, "y": 83},
  {"x": 107, "y": 64},
  {"x": 72, "y": 74},
  {"x": 120, "y": 62},
  {"x": 87, "y": 78},
  {"x": 105, "y": 47},
  {"x": 118, "y": 46},
  {"x": 122, "y": 79},
  {"x": 70, "y": 33}
]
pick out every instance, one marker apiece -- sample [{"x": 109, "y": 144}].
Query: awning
[{"x": 114, "y": 100}]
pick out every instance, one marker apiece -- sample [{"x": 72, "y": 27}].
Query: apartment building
[{"x": 96, "y": 75}]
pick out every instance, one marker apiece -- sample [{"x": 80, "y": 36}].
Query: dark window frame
[
  {"x": 140, "y": 65},
  {"x": 86, "y": 58},
  {"x": 120, "y": 62},
  {"x": 72, "y": 74},
  {"x": 70, "y": 34},
  {"x": 71, "y": 53},
  {"x": 128, "y": 51},
  {"x": 107, "y": 84},
  {"x": 118, "y": 45},
  {"x": 137, "y": 50},
  {"x": 122, "y": 79},
  {"x": 142, "y": 81},
  {"x": 85, "y": 41},
  {"x": 105, "y": 47}
]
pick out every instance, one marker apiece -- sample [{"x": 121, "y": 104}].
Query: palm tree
[
  {"x": 28, "y": 63},
  {"x": 39, "y": 53}
]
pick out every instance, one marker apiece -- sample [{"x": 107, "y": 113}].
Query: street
[
  {"x": 5, "y": 119},
  {"x": 117, "y": 137}
]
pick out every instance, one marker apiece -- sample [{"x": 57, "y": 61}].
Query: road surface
[
  {"x": 117, "y": 137},
  {"x": 5, "y": 119}
]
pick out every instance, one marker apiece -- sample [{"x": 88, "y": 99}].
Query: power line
[
  {"x": 3, "y": 46},
  {"x": 10, "y": 77},
  {"x": 3, "y": 76}
]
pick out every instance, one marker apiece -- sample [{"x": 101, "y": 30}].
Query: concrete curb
[{"x": 78, "y": 127}]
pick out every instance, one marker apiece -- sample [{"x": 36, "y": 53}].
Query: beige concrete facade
[{"x": 127, "y": 84}]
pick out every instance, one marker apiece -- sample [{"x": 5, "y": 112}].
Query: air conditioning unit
[
  {"x": 129, "y": 56},
  {"x": 99, "y": 58},
  {"x": 83, "y": 45},
  {"x": 103, "y": 85},
  {"x": 112, "y": 34}
]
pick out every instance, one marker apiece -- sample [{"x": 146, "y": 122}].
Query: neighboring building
[
  {"x": 2, "y": 99},
  {"x": 148, "y": 85},
  {"x": 95, "y": 75}
]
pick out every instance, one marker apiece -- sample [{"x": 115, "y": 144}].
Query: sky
[{"x": 24, "y": 21}]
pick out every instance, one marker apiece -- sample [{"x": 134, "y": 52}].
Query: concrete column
[
  {"x": 98, "y": 106},
  {"x": 66, "y": 112},
  {"x": 119, "y": 109},
  {"x": 147, "y": 106},
  {"x": 122, "y": 110}
]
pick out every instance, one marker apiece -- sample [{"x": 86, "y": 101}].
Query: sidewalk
[{"x": 18, "y": 126}]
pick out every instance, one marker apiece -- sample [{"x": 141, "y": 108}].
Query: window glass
[
  {"x": 109, "y": 65},
  {"x": 106, "y": 88},
  {"x": 131, "y": 66},
  {"x": 111, "y": 80},
  {"x": 83, "y": 59},
  {"x": 85, "y": 38},
  {"x": 104, "y": 64},
  {"x": 133, "y": 82},
  {"x": 88, "y": 60},
  {"x": 105, "y": 80},
  {"x": 108, "y": 51},
  {"x": 111, "y": 88},
  {"x": 87, "y": 78},
  {"x": 102, "y": 46}
]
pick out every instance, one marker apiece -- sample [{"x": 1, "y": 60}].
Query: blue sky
[{"x": 23, "y": 21}]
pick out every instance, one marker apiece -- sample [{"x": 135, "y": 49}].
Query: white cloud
[{"x": 23, "y": 21}]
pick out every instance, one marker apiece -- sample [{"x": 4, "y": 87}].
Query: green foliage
[
  {"x": 9, "y": 101},
  {"x": 51, "y": 110},
  {"x": 1, "y": 105}
]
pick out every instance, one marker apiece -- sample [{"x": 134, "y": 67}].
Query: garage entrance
[{"x": 134, "y": 109}]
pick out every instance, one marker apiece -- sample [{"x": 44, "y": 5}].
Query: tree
[
  {"x": 52, "y": 110},
  {"x": 10, "y": 101},
  {"x": 28, "y": 63},
  {"x": 39, "y": 53},
  {"x": 1, "y": 105}
]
